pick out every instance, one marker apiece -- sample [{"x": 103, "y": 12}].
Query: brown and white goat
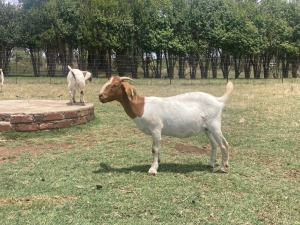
[{"x": 180, "y": 116}]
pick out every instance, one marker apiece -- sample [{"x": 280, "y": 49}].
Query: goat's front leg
[
  {"x": 225, "y": 153},
  {"x": 156, "y": 137}
]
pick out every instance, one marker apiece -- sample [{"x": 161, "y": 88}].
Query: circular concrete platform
[{"x": 34, "y": 115}]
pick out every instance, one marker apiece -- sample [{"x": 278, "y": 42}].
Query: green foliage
[{"x": 193, "y": 27}]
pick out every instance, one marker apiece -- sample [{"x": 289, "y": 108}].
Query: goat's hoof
[
  {"x": 152, "y": 172},
  {"x": 210, "y": 166},
  {"x": 222, "y": 170}
]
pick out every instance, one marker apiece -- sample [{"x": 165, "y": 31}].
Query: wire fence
[{"x": 149, "y": 66}]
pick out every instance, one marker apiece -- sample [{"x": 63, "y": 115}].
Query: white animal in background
[
  {"x": 180, "y": 116},
  {"x": 1, "y": 78},
  {"x": 76, "y": 82}
]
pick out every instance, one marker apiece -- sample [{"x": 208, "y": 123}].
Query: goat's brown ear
[{"x": 130, "y": 90}]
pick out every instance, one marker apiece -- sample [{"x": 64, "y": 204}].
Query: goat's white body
[
  {"x": 180, "y": 116},
  {"x": 1, "y": 79},
  {"x": 183, "y": 116},
  {"x": 76, "y": 82}
]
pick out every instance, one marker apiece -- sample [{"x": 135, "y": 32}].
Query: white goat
[
  {"x": 1, "y": 79},
  {"x": 180, "y": 116},
  {"x": 76, "y": 81}
]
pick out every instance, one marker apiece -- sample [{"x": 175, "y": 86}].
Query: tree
[
  {"x": 290, "y": 41},
  {"x": 32, "y": 27},
  {"x": 271, "y": 27},
  {"x": 9, "y": 30}
]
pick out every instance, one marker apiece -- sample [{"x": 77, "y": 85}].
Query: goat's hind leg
[
  {"x": 82, "y": 97},
  {"x": 72, "y": 96},
  {"x": 219, "y": 138},
  {"x": 156, "y": 136},
  {"x": 214, "y": 147}
]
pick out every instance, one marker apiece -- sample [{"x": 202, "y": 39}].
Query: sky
[{"x": 11, "y": 1}]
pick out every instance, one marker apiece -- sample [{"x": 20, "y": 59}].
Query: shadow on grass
[{"x": 163, "y": 167}]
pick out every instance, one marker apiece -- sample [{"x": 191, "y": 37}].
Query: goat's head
[
  {"x": 115, "y": 89},
  {"x": 87, "y": 75}
]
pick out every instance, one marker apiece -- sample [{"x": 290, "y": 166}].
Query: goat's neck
[{"x": 133, "y": 107}]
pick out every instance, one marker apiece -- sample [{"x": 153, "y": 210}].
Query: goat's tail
[
  {"x": 71, "y": 70},
  {"x": 229, "y": 89}
]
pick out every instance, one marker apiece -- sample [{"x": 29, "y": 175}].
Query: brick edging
[{"x": 45, "y": 121}]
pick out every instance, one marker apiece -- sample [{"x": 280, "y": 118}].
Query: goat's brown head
[{"x": 115, "y": 89}]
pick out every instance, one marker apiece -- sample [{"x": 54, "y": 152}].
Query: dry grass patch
[{"x": 37, "y": 200}]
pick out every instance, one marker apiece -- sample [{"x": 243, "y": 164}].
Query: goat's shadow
[{"x": 163, "y": 168}]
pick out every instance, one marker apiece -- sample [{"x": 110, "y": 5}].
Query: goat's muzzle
[{"x": 102, "y": 98}]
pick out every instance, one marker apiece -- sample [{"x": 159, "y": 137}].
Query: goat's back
[
  {"x": 76, "y": 79},
  {"x": 188, "y": 104},
  {"x": 182, "y": 115}
]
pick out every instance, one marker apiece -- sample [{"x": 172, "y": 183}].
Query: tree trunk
[
  {"x": 266, "y": 65},
  {"x": 193, "y": 61},
  {"x": 225, "y": 64},
  {"x": 108, "y": 67},
  {"x": 214, "y": 66},
  {"x": 256, "y": 67},
  {"x": 5, "y": 55},
  {"x": 82, "y": 58},
  {"x": 204, "y": 65},
  {"x": 238, "y": 66},
  {"x": 247, "y": 67},
  {"x": 134, "y": 63},
  {"x": 156, "y": 65},
  {"x": 295, "y": 67},
  {"x": 95, "y": 57},
  {"x": 35, "y": 60},
  {"x": 157, "y": 73},
  {"x": 51, "y": 62},
  {"x": 181, "y": 69},
  {"x": 170, "y": 62},
  {"x": 146, "y": 61},
  {"x": 120, "y": 60},
  {"x": 285, "y": 68}
]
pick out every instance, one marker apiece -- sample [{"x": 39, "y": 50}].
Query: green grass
[{"x": 51, "y": 177}]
